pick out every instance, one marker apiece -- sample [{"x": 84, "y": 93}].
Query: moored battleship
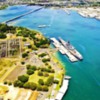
[
  {"x": 71, "y": 49},
  {"x": 63, "y": 50}
]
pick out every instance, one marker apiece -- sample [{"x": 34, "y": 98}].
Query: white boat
[
  {"x": 42, "y": 26},
  {"x": 67, "y": 77}
]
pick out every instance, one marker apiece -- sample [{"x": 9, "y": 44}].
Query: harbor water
[{"x": 84, "y": 35}]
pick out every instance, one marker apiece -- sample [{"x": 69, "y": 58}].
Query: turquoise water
[{"x": 84, "y": 34}]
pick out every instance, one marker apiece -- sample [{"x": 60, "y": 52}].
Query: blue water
[{"x": 84, "y": 34}]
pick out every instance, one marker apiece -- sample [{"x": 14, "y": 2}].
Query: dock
[
  {"x": 63, "y": 50},
  {"x": 22, "y": 15},
  {"x": 63, "y": 88}
]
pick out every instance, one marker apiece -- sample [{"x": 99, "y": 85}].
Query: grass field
[
  {"x": 19, "y": 70},
  {"x": 34, "y": 78},
  {"x": 5, "y": 65}
]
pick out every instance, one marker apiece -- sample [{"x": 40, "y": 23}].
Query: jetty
[
  {"x": 63, "y": 50},
  {"x": 17, "y": 17}
]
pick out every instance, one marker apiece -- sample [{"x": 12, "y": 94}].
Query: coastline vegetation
[
  {"x": 35, "y": 36},
  {"x": 3, "y": 7},
  {"x": 40, "y": 78}
]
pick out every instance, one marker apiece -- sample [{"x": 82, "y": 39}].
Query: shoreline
[{"x": 86, "y": 12}]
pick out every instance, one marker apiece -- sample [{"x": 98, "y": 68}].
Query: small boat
[
  {"x": 67, "y": 77},
  {"x": 42, "y": 26}
]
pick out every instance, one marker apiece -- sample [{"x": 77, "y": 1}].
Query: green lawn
[
  {"x": 34, "y": 78},
  {"x": 5, "y": 64}
]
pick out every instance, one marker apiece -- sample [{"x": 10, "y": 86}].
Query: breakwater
[{"x": 17, "y": 17}]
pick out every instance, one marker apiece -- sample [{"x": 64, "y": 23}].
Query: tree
[
  {"x": 45, "y": 74},
  {"x": 30, "y": 71},
  {"x": 52, "y": 71},
  {"x": 45, "y": 60},
  {"x": 18, "y": 83},
  {"x": 30, "y": 85},
  {"x": 42, "y": 55},
  {"x": 49, "y": 81},
  {"x": 28, "y": 66},
  {"x": 45, "y": 88},
  {"x": 29, "y": 46},
  {"x": 22, "y": 62},
  {"x": 24, "y": 39},
  {"x": 9, "y": 83},
  {"x": 23, "y": 78},
  {"x": 41, "y": 82},
  {"x": 5, "y": 82},
  {"x": 2, "y": 36},
  {"x": 56, "y": 81},
  {"x": 33, "y": 68},
  {"x": 24, "y": 55},
  {"x": 43, "y": 69},
  {"x": 39, "y": 88},
  {"x": 40, "y": 73}
]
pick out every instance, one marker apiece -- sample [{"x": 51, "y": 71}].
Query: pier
[
  {"x": 66, "y": 11},
  {"x": 63, "y": 50},
  {"x": 63, "y": 88},
  {"x": 17, "y": 17}
]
